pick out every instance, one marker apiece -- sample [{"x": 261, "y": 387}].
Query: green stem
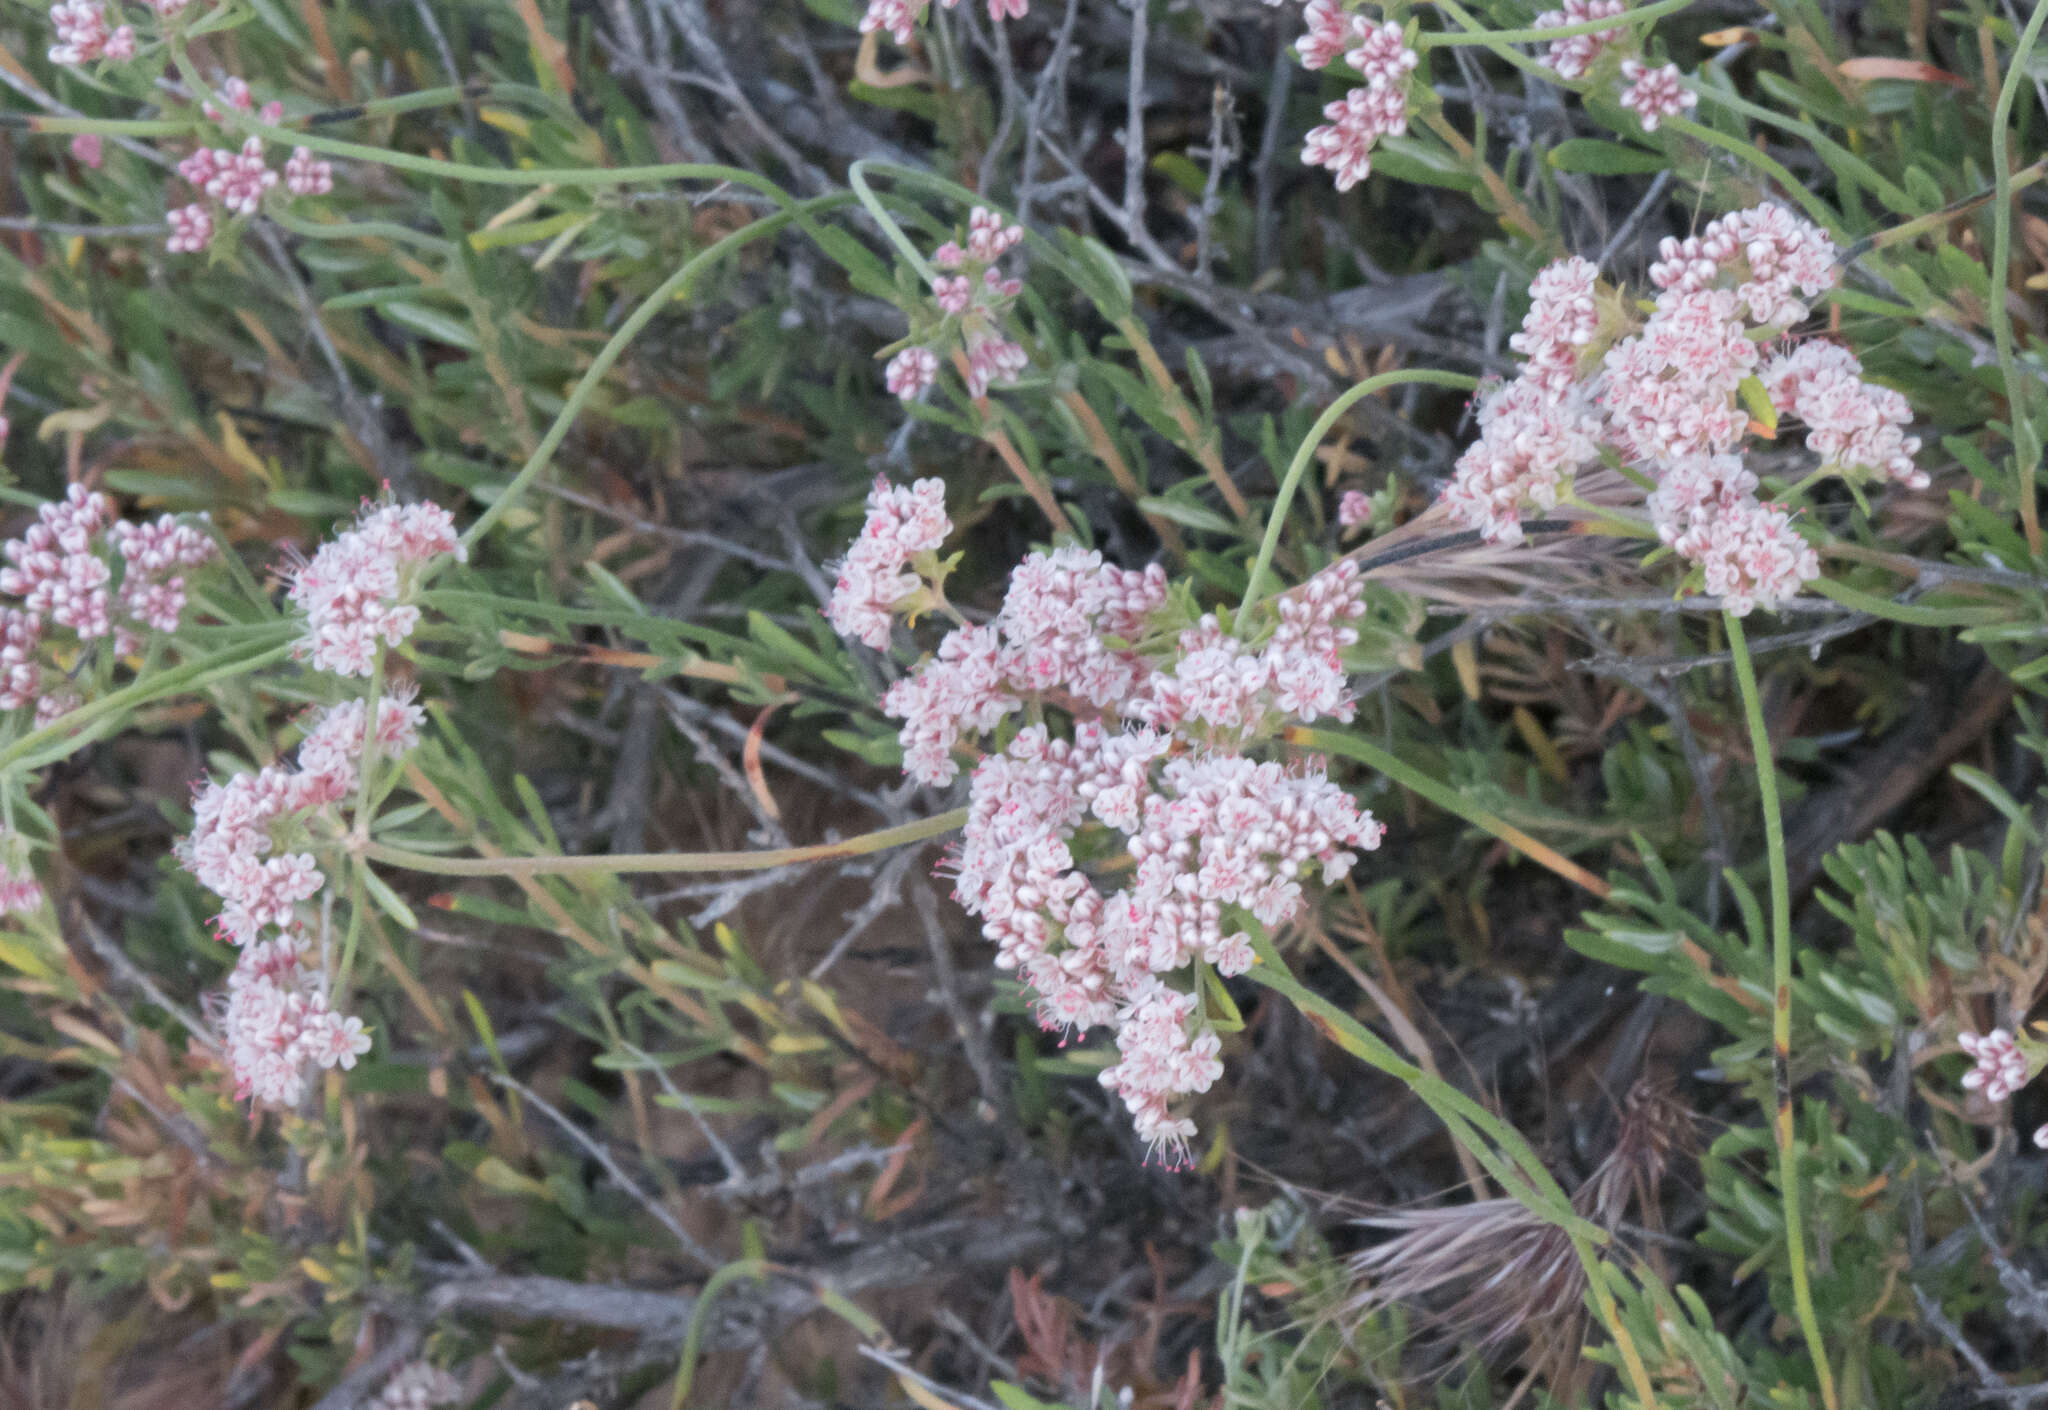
[
  {"x": 1499, "y": 42},
  {"x": 857, "y": 178},
  {"x": 1440, "y": 40},
  {"x": 686, "y": 1367},
  {"x": 356, "y": 230},
  {"x": 665, "y": 862},
  {"x": 1448, "y": 798},
  {"x": 672, "y": 288},
  {"x": 1508, "y": 1157},
  {"x": 1781, "y": 1005},
  {"x": 2026, "y": 444},
  {"x": 1816, "y": 209},
  {"x": 238, "y": 660},
  {"x": 1305, "y": 452},
  {"x": 374, "y": 108}
]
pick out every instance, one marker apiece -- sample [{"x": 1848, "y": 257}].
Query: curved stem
[
  {"x": 1441, "y": 39},
  {"x": 672, "y": 288},
  {"x": 665, "y": 862},
  {"x": 1277, "y": 516},
  {"x": 2026, "y": 444},
  {"x": 1781, "y": 1006}
]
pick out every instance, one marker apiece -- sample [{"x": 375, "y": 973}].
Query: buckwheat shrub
[
  {"x": 1666, "y": 401},
  {"x": 1159, "y": 761}
]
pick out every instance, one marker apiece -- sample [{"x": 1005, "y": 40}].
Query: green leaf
[
  {"x": 438, "y": 326},
  {"x": 1596, "y": 156}
]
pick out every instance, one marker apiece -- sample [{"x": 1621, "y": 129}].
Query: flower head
[{"x": 356, "y": 590}]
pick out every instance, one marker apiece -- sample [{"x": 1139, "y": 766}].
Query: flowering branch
[
  {"x": 1781, "y": 1006},
  {"x": 656, "y": 862}
]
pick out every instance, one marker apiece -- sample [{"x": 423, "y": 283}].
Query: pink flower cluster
[
  {"x": 418, "y": 1385},
  {"x": 1157, "y": 757},
  {"x": 972, "y": 296},
  {"x": 1851, "y": 424},
  {"x": 1668, "y": 401},
  {"x": 901, "y": 524},
  {"x": 63, "y": 568},
  {"x": 355, "y": 592},
  {"x": 84, "y": 35},
  {"x": 1357, "y": 121},
  {"x": 1571, "y": 56},
  {"x": 1354, "y": 510},
  {"x": 277, "y": 1021},
  {"x": 899, "y": 17},
  {"x": 2001, "y": 1067},
  {"x": 238, "y": 179},
  {"x": 1654, "y": 94}
]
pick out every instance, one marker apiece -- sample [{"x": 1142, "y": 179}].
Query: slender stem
[
  {"x": 686, "y": 1365},
  {"x": 2026, "y": 443},
  {"x": 1816, "y": 209},
  {"x": 1451, "y": 801},
  {"x": 672, "y": 288},
  {"x": 1781, "y": 1005},
  {"x": 191, "y": 676},
  {"x": 1440, "y": 39},
  {"x": 1184, "y": 417},
  {"x": 1305, "y": 452},
  {"x": 619, "y": 864},
  {"x": 1515, "y": 1166},
  {"x": 506, "y": 176}
]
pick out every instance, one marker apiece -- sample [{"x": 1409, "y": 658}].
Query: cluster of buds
[
  {"x": 237, "y": 180},
  {"x": 2002, "y": 1065},
  {"x": 901, "y": 525},
  {"x": 1651, "y": 93},
  {"x": 897, "y": 18},
  {"x": 1377, "y": 52},
  {"x": 277, "y": 1022},
  {"x": 83, "y": 575},
  {"x": 1673, "y": 401},
  {"x": 1167, "y": 717},
  {"x": 20, "y": 893},
  {"x": 973, "y": 298},
  {"x": 357, "y": 590}
]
